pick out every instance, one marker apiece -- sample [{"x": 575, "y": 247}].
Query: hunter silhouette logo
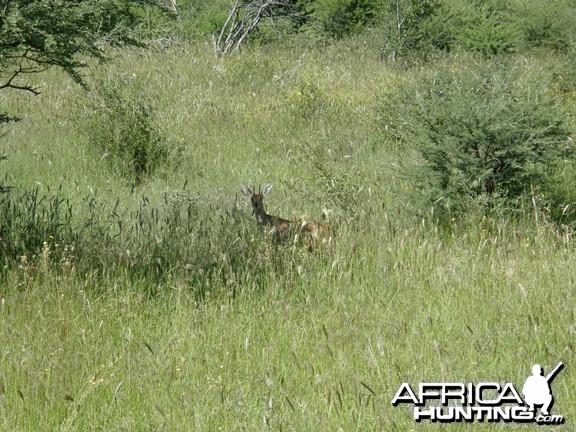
[
  {"x": 484, "y": 401},
  {"x": 537, "y": 389}
]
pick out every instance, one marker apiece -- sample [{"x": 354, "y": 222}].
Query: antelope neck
[{"x": 263, "y": 218}]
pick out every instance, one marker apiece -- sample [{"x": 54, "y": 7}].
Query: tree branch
[
  {"x": 22, "y": 70},
  {"x": 244, "y": 17}
]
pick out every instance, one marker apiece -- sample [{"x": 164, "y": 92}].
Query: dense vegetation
[{"x": 136, "y": 292}]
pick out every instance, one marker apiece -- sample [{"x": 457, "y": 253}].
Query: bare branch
[
  {"x": 20, "y": 70},
  {"x": 171, "y": 6},
  {"x": 244, "y": 17}
]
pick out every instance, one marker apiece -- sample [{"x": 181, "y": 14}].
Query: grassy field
[{"x": 158, "y": 305}]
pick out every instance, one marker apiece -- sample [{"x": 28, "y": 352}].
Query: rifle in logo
[{"x": 554, "y": 372}]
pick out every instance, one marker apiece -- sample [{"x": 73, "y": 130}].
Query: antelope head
[{"x": 256, "y": 199}]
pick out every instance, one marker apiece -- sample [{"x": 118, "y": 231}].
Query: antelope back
[{"x": 317, "y": 233}]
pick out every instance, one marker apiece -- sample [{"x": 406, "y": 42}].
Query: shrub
[
  {"x": 550, "y": 26},
  {"x": 335, "y": 19},
  {"x": 488, "y": 30},
  {"x": 417, "y": 26},
  {"x": 120, "y": 120},
  {"x": 487, "y": 135}
]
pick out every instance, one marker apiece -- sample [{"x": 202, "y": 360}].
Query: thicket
[
  {"x": 488, "y": 135},
  {"x": 120, "y": 121}
]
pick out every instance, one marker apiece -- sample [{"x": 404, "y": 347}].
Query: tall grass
[
  {"x": 162, "y": 306},
  {"x": 297, "y": 341}
]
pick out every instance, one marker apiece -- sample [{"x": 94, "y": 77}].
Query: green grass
[
  {"x": 323, "y": 348},
  {"x": 187, "y": 318}
]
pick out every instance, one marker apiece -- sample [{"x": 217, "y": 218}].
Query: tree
[
  {"x": 339, "y": 18},
  {"x": 246, "y": 15},
  {"x": 38, "y": 34}
]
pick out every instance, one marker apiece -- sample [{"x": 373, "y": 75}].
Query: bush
[
  {"x": 486, "y": 135},
  {"x": 550, "y": 26},
  {"x": 335, "y": 19},
  {"x": 487, "y": 29},
  {"x": 120, "y": 120},
  {"x": 421, "y": 26}
]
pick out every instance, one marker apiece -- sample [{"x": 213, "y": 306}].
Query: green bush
[
  {"x": 335, "y": 19},
  {"x": 548, "y": 26},
  {"x": 488, "y": 29},
  {"x": 421, "y": 26},
  {"x": 120, "y": 120},
  {"x": 487, "y": 135}
]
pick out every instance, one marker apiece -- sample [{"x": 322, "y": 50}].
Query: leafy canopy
[{"x": 38, "y": 34}]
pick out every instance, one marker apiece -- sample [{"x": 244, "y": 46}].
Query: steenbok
[{"x": 315, "y": 233}]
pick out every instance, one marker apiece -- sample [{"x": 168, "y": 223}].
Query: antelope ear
[
  {"x": 245, "y": 190},
  {"x": 267, "y": 189}
]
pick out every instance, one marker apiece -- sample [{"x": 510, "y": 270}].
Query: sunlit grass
[{"x": 325, "y": 345}]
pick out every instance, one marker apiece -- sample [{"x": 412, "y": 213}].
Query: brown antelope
[{"x": 314, "y": 232}]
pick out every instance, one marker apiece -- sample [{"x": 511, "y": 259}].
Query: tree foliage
[
  {"x": 489, "y": 28},
  {"x": 38, "y": 34},
  {"x": 548, "y": 26},
  {"x": 339, "y": 18}
]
